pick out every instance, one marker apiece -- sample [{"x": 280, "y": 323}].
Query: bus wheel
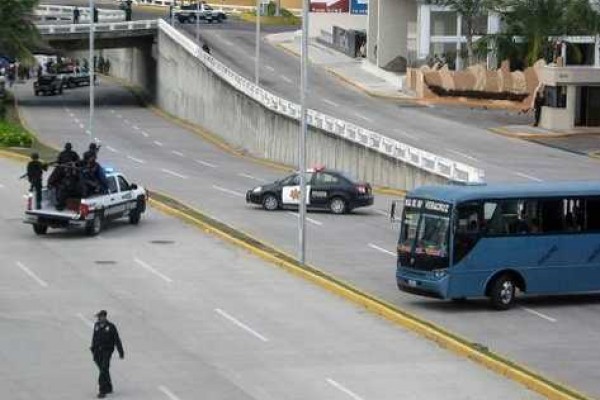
[{"x": 502, "y": 292}]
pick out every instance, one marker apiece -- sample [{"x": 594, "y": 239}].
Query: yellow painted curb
[
  {"x": 441, "y": 336},
  {"x": 523, "y": 135},
  {"x": 7, "y": 153}
]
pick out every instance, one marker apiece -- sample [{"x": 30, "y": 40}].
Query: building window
[
  {"x": 555, "y": 96},
  {"x": 443, "y": 23},
  {"x": 480, "y": 25}
]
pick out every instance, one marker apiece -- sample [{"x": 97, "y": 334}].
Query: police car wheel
[
  {"x": 337, "y": 205},
  {"x": 270, "y": 202},
  {"x": 40, "y": 229},
  {"x": 95, "y": 226}
]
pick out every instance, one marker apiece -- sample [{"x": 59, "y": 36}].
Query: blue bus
[{"x": 458, "y": 242}]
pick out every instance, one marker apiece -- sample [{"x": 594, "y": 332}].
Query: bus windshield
[{"x": 424, "y": 235}]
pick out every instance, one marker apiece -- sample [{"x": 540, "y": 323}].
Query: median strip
[{"x": 429, "y": 330}]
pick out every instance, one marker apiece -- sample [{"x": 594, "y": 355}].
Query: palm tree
[
  {"x": 18, "y": 34},
  {"x": 470, "y": 10}
]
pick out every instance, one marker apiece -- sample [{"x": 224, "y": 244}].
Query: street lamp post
[
  {"x": 198, "y": 22},
  {"x": 257, "y": 48},
  {"x": 92, "y": 68},
  {"x": 303, "y": 134}
]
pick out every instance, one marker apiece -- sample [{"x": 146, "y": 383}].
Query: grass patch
[
  {"x": 17, "y": 138},
  {"x": 285, "y": 19}
]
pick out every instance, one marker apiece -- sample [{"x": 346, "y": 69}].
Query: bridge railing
[
  {"x": 99, "y": 27},
  {"x": 65, "y": 13},
  {"x": 441, "y": 166}
]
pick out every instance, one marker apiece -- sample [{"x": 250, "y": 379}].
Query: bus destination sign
[{"x": 428, "y": 205}]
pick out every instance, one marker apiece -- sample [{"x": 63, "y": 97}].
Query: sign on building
[{"x": 359, "y": 7}]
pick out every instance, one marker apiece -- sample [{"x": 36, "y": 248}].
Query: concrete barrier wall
[{"x": 189, "y": 90}]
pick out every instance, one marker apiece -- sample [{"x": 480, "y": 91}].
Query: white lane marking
[
  {"x": 109, "y": 148},
  {"x": 539, "y": 314},
  {"x": 228, "y": 43},
  {"x": 167, "y": 392},
  {"x": 312, "y": 221},
  {"x": 156, "y": 142},
  {"x": 77, "y": 121},
  {"x": 343, "y": 389},
  {"x": 168, "y": 171},
  {"x": 241, "y": 325},
  {"x": 381, "y": 249},
  {"x": 126, "y": 121},
  {"x": 1, "y": 186},
  {"x": 146, "y": 134},
  {"x": 285, "y": 78},
  {"x": 533, "y": 178},
  {"x": 331, "y": 103},
  {"x": 113, "y": 111},
  {"x": 178, "y": 153},
  {"x": 33, "y": 276},
  {"x": 254, "y": 178},
  {"x": 206, "y": 164},
  {"x": 269, "y": 68},
  {"x": 81, "y": 126},
  {"x": 87, "y": 322},
  {"x": 152, "y": 270},
  {"x": 137, "y": 128},
  {"x": 364, "y": 117},
  {"x": 119, "y": 116},
  {"x": 67, "y": 109},
  {"x": 137, "y": 160},
  {"x": 229, "y": 191},
  {"x": 408, "y": 135},
  {"x": 460, "y": 153},
  {"x": 71, "y": 115}
]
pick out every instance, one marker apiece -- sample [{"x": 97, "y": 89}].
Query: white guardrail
[
  {"x": 422, "y": 159},
  {"x": 226, "y": 8},
  {"x": 65, "y": 13},
  {"x": 99, "y": 27}
]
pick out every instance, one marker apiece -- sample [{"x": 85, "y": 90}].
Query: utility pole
[
  {"x": 303, "y": 134},
  {"x": 92, "y": 68},
  {"x": 257, "y": 50}
]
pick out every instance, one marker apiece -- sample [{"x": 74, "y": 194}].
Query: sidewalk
[
  {"x": 533, "y": 132},
  {"x": 356, "y": 72}
]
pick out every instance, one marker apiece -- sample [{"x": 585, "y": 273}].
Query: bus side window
[
  {"x": 592, "y": 214},
  {"x": 467, "y": 229}
]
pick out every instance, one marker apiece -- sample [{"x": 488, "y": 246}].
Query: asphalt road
[
  {"x": 199, "y": 319},
  {"x": 358, "y": 248}
]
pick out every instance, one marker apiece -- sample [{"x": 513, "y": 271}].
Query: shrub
[{"x": 12, "y": 135}]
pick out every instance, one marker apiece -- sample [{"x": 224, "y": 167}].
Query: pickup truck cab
[
  {"x": 189, "y": 13},
  {"x": 48, "y": 84},
  {"x": 123, "y": 199},
  {"x": 74, "y": 78}
]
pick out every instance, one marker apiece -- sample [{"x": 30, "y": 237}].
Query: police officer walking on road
[{"x": 104, "y": 341}]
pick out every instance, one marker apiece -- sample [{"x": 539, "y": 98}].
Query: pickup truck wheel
[
  {"x": 220, "y": 19},
  {"x": 40, "y": 229},
  {"x": 37, "y": 93},
  {"x": 95, "y": 226},
  {"x": 60, "y": 91}
]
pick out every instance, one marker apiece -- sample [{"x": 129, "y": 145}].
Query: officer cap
[
  {"x": 68, "y": 146},
  {"x": 93, "y": 146},
  {"x": 35, "y": 156},
  {"x": 101, "y": 313}
]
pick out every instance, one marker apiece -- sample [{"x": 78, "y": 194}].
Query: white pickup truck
[
  {"x": 202, "y": 11},
  {"x": 122, "y": 200}
]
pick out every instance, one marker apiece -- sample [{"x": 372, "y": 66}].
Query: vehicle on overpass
[
  {"x": 189, "y": 13},
  {"x": 123, "y": 199},
  {"x": 459, "y": 242},
  {"x": 326, "y": 190},
  {"x": 48, "y": 84}
]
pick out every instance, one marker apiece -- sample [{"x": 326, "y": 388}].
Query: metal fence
[
  {"x": 65, "y": 13},
  {"x": 99, "y": 27}
]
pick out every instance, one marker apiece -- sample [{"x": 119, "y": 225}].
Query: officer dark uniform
[
  {"x": 67, "y": 155},
  {"x": 91, "y": 153},
  {"x": 35, "y": 172},
  {"x": 104, "y": 341}
]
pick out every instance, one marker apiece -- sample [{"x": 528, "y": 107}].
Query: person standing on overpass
[
  {"x": 105, "y": 339},
  {"x": 76, "y": 15}
]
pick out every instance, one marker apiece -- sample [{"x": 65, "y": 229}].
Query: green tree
[
  {"x": 534, "y": 22},
  {"x": 471, "y": 11},
  {"x": 18, "y": 34}
]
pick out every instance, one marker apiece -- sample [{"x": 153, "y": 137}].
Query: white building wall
[
  {"x": 326, "y": 21},
  {"x": 394, "y": 19}
]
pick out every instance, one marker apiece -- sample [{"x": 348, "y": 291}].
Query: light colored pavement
[
  {"x": 199, "y": 319},
  {"x": 358, "y": 248}
]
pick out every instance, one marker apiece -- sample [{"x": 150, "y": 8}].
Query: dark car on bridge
[
  {"x": 326, "y": 190},
  {"x": 48, "y": 84}
]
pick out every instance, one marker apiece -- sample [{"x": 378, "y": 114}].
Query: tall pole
[
  {"x": 257, "y": 49},
  {"x": 198, "y": 22},
  {"x": 92, "y": 70},
  {"x": 303, "y": 133}
]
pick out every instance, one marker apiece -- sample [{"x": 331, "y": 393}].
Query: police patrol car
[
  {"x": 123, "y": 199},
  {"x": 325, "y": 189}
]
